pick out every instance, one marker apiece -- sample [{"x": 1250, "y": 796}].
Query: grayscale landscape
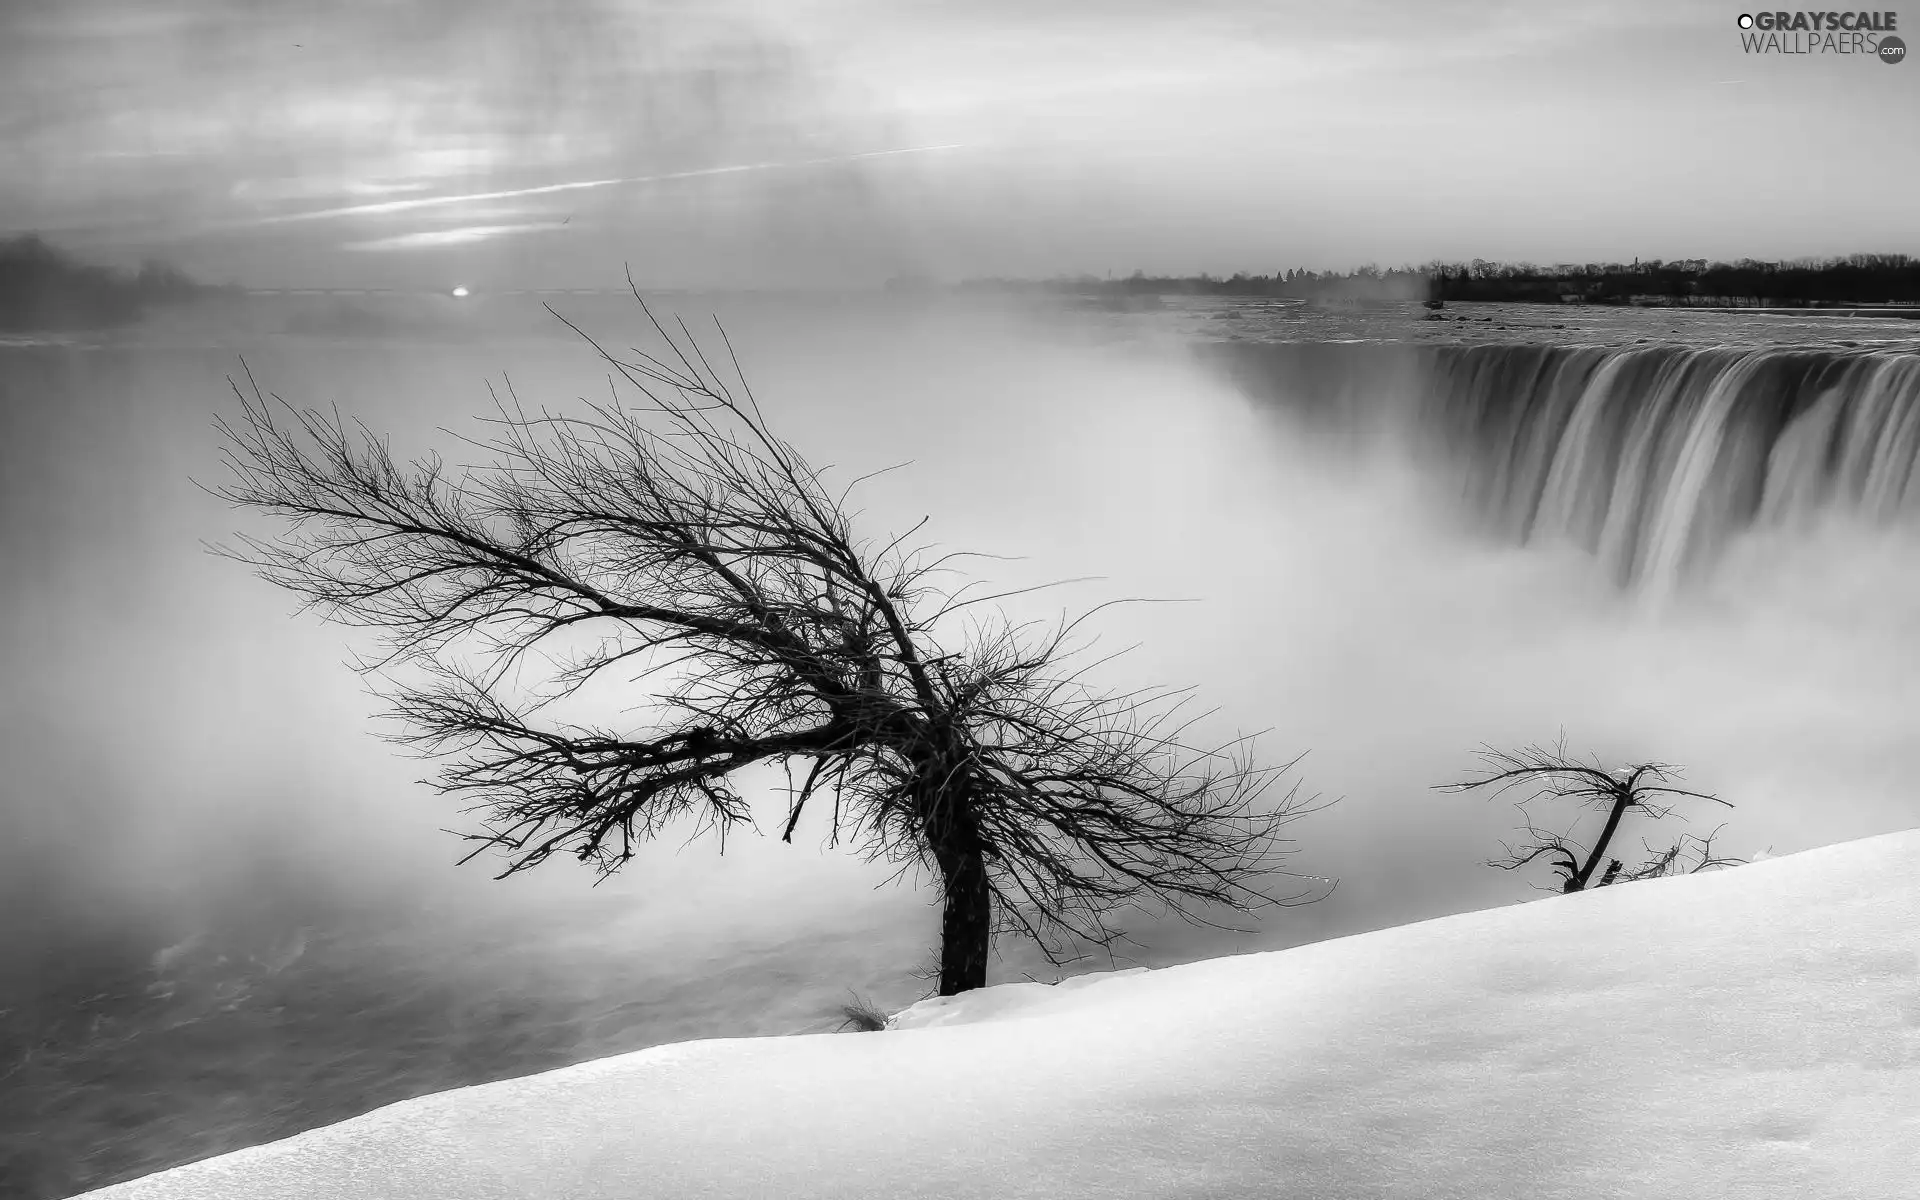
[{"x": 1020, "y": 284}]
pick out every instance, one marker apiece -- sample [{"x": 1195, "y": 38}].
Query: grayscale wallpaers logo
[{"x": 1868, "y": 34}]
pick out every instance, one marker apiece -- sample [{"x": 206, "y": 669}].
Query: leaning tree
[
  {"x": 1551, "y": 774},
  {"x": 669, "y": 543}
]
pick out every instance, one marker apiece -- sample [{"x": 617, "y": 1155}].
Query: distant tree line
[
  {"x": 1809, "y": 282},
  {"x": 1855, "y": 279},
  {"x": 1364, "y": 283},
  {"x": 44, "y": 288}
]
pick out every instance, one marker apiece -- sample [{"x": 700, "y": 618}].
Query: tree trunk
[
  {"x": 966, "y": 921},
  {"x": 966, "y": 918},
  {"x": 1620, "y": 806}
]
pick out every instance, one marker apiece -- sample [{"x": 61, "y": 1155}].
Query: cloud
[
  {"x": 430, "y": 239},
  {"x": 384, "y": 207}
]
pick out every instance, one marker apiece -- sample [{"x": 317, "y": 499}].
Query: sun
[{"x": 460, "y": 291}]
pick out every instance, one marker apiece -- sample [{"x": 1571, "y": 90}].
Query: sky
[{"x": 512, "y": 143}]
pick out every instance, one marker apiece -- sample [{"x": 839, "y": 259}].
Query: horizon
[
  {"x": 850, "y": 141},
  {"x": 1424, "y": 267}
]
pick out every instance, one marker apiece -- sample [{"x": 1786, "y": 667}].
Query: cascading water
[
  {"x": 1334, "y": 604},
  {"x": 1651, "y": 457}
]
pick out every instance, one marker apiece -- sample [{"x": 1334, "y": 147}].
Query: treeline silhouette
[
  {"x": 1810, "y": 282},
  {"x": 1855, "y": 279},
  {"x": 43, "y": 288},
  {"x": 1365, "y": 283}
]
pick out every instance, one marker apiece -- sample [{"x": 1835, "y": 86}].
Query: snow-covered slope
[{"x": 1750, "y": 1033}]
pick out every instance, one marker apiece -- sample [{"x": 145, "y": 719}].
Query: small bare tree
[
  {"x": 676, "y": 542},
  {"x": 1551, "y": 774},
  {"x": 862, "y": 1016}
]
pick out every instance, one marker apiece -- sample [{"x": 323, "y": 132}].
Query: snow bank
[{"x": 1749, "y": 1033}]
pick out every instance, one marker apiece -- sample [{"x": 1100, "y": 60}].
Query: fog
[
  {"x": 236, "y": 912},
  {"x": 182, "y": 745}
]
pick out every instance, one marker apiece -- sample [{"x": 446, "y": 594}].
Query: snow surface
[{"x": 1749, "y": 1033}]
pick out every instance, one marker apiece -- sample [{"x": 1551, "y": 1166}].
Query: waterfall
[{"x": 1650, "y": 457}]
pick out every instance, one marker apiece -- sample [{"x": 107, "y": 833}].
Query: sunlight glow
[
  {"x": 393, "y": 206},
  {"x": 450, "y": 237}
]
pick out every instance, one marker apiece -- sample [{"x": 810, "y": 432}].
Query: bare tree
[
  {"x": 1551, "y": 774},
  {"x": 1688, "y": 855},
  {"x": 862, "y": 1016},
  {"x": 674, "y": 542}
]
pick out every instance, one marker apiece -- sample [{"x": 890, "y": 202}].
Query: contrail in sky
[{"x": 394, "y": 206}]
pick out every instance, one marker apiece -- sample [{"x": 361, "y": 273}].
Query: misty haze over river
[{"x": 1673, "y": 535}]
